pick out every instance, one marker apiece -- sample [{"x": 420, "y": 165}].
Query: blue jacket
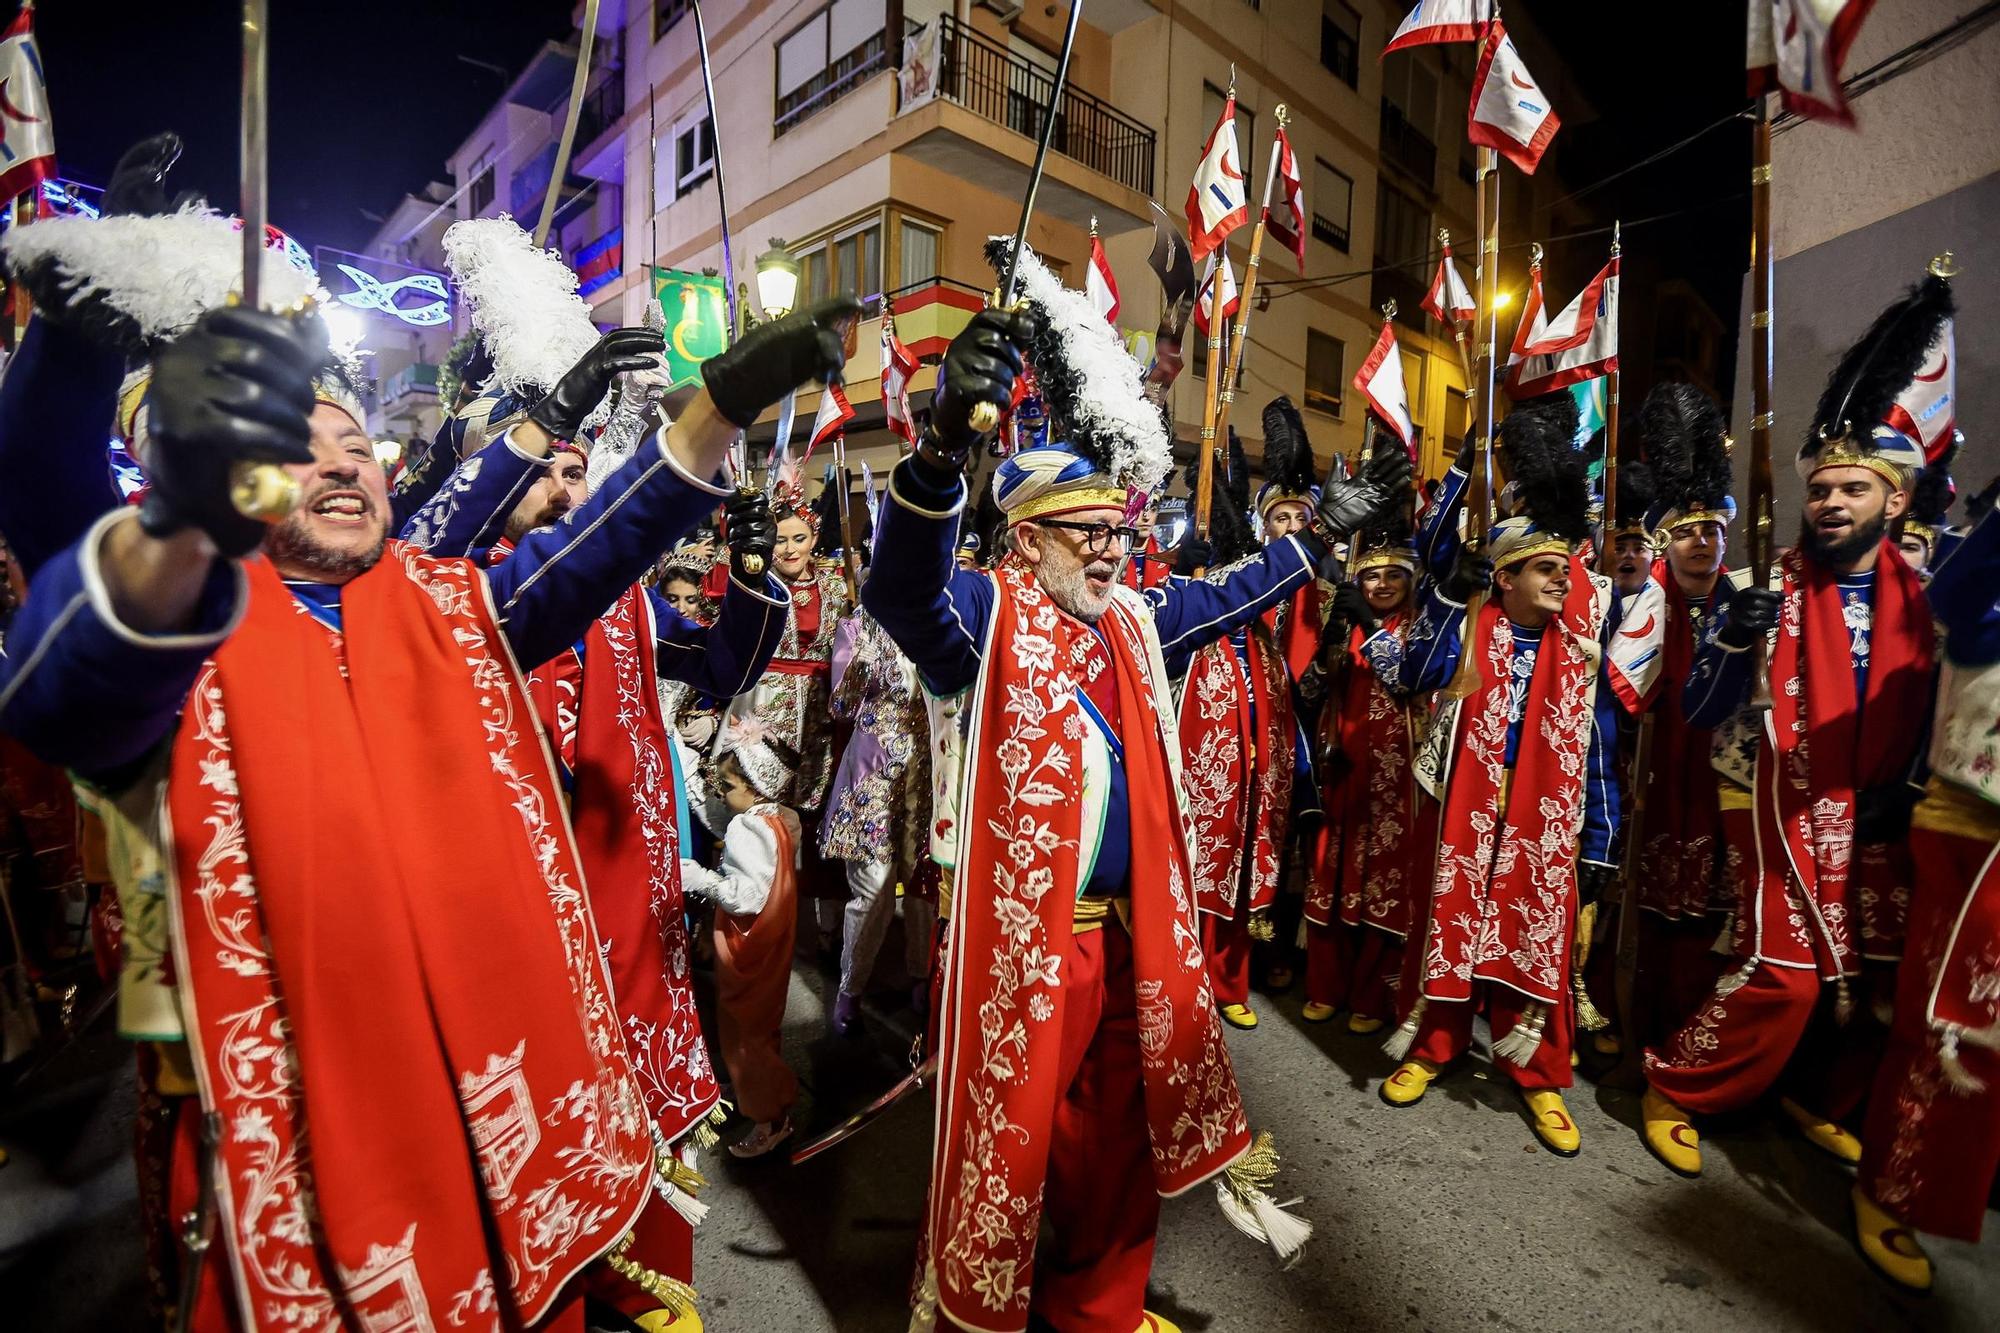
[{"x": 58, "y": 409}]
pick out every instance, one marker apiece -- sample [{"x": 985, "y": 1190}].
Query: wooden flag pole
[
  {"x": 1608, "y": 557},
  {"x": 1241, "y": 338},
  {"x": 1204, "y": 491},
  {"x": 1479, "y": 491},
  {"x": 1457, "y": 329},
  {"x": 1759, "y": 517}
]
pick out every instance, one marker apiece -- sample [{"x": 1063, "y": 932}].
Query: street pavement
[{"x": 1443, "y": 1216}]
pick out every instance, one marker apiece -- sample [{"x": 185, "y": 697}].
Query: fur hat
[{"x": 1637, "y": 490}]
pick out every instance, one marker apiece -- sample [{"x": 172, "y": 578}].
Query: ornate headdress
[
  {"x": 1390, "y": 543},
  {"x": 1550, "y": 482},
  {"x": 768, "y": 764},
  {"x": 1931, "y": 496},
  {"x": 1850, "y": 428},
  {"x": 1688, "y": 443},
  {"x": 1289, "y": 473},
  {"x": 1638, "y": 489}
]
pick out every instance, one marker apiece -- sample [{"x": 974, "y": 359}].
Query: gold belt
[
  {"x": 1091, "y": 913},
  {"x": 1732, "y": 795},
  {"x": 1949, "y": 808}
]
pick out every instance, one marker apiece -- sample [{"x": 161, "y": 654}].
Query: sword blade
[
  {"x": 252, "y": 145},
  {"x": 867, "y": 1115},
  {"x": 1041, "y": 151}
]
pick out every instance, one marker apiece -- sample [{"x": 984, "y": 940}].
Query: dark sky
[{"x": 367, "y": 96}]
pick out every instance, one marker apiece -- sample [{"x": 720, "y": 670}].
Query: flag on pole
[
  {"x": 1532, "y": 328},
  {"x": 1218, "y": 202},
  {"x": 1927, "y": 410},
  {"x": 898, "y": 364},
  {"x": 1592, "y": 410},
  {"x": 834, "y": 414},
  {"x": 1098, "y": 282},
  {"x": 1219, "y": 275},
  {"x": 1795, "y": 48},
  {"x": 27, "y": 139},
  {"x": 1441, "y": 21},
  {"x": 1448, "y": 298},
  {"x": 1380, "y": 381},
  {"x": 1510, "y": 113},
  {"x": 1577, "y": 344},
  {"x": 1286, "y": 223}
]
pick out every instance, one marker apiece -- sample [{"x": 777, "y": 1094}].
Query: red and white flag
[
  {"x": 1440, "y": 21},
  {"x": 1796, "y": 48},
  {"x": 1380, "y": 380},
  {"x": 1286, "y": 222},
  {"x": 1219, "y": 276},
  {"x": 1218, "y": 202},
  {"x": 898, "y": 364},
  {"x": 1510, "y": 112},
  {"x": 834, "y": 414},
  {"x": 1578, "y": 344},
  {"x": 1927, "y": 410},
  {"x": 1098, "y": 283},
  {"x": 1448, "y": 298},
  {"x": 27, "y": 139}
]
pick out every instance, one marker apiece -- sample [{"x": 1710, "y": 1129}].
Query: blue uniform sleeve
[
  {"x": 562, "y": 577},
  {"x": 1190, "y": 614},
  {"x": 1387, "y": 660},
  {"x": 80, "y": 688},
  {"x": 1437, "y": 535},
  {"x": 469, "y": 512},
  {"x": 934, "y": 611},
  {"x": 724, "y": 659},
  {"x": 1718, "y": 679},
  {"x": 1602, "y": 803},
  {"x": 1962, "y": 596},
  {"x": 1430, "y": 658},
  {"x": 58, "y": 406}
]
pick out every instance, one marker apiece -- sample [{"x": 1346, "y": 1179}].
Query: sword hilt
[
  {"x": 265, "y": 491},
  {"x": 753, "y": 564},
  {"x": 985, "y": 417}
]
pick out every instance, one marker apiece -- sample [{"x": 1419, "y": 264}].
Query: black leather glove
[
  {"x": 771, "y": 360},
  {"x": 1351, "y": 604},
  {"x": 1591, "y": 881},
  {"x": 1345, "y": 507},
  {"x": 752, "y": 530},
  {"x": 1463, "y": 462},
  {"x": 583, "y": 386},
  {"x": 138, "y": 185},
  {"x": 1192, "y": 555},
  {"x": 1752, "y": 614},
  {"x": 1882, "y": 814},
  {"x": 980, "y": 366},
  {"x": 1471, "y": 573},
  {"x": 237, "y": 386}
]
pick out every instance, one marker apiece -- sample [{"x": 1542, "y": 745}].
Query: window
[
  {"x": 1402, "y": 226},
  {"x": 1412, "y": 88},
  {"x": 917, "y": 253},
  {"x": 1468, "y": 163},
  {"x": 480, "y": 197},
  {"x": 1332, "y": 205},
  {"x": 850, "y": 262},
  {"x": 1457, "y": 416},
  {"x": 1340, "y": 40},
  {"x": 1326, "y": 372},
  {"x": 1246, "y": 123},
  {"x": 666, "y": 13},
  {"x": 694, "y": 151},
  {"x": 825, "y": 57}
]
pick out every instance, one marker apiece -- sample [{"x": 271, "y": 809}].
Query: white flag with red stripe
[
  {"x": 1440, "y": 21},
  {"x": 1219, "y": 276},
  {"x": 898, "y": 364},
  {"x": 1285, "y": 222},
  {"x": 1927, "y": 411},
  {"x": 834, "y": 414},
  {"x": 1218, "y": 202},
  {"x": 1796, "y": 49},
  {"x": 1577, "y": 344},
  {"x": 27, "y": 139},
  {"x": 1380, "y": 381},
  {"x": 1098, "y": 283},
  {"x": 1510, "y": 112},
  {"x": 1448, "y": 299}
]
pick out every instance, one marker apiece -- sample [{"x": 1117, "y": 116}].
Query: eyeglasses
[{"x": 1097, "y": 537}]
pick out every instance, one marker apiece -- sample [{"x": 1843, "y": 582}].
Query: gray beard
[
  {"x": 1066, "y": 587},
  {"x": 291, "y": 543}
]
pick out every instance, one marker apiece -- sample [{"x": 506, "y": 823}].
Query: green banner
[{"x": 697, "y": 327}]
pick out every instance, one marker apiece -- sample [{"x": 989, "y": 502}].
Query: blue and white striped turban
[{"x": 1052, "y": 479}]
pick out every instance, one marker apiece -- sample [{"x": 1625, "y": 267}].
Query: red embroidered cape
[
  {"x": 1365, "y": 872},
  {"x": 1232, "y": 722},
  {"x": 1684, "y": 879}
]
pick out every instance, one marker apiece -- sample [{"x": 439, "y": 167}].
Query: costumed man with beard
[
  {"x": 478, "y": 1135},
  {"x": 1361, "y": 894},
  {"x": 1814, "y": 790},
  {"x": 1528, "y": 803},
  {"x": 1082, "y": 1073}
]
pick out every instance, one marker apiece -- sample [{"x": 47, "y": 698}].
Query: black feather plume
[
  {"x": 1288, "y": 453},
  {"x": 1229, "y": 529},
  {"x": 1637, "y": 490},
  {"x": 1538, "y": 439},
  {"x": 1687, "y": 443},
  {"x": 1873, "y": 371},
  {"x": 827, "y": 506},
  {"x": 1933, "y": 492}
]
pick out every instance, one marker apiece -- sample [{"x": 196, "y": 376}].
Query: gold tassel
[
  {"x": 704, "y": 1136},
  {"x": 671, "y": 1293},
  {"x": 1261, "y": 928},
  {"x": 1241, "y": 1193},
  {"x": 679, "y": 1174},
  {"x": 1588, "y": 1016},
  {"x": 1404, "y": 1038},
  {"x": 1256, "y": 1168}
]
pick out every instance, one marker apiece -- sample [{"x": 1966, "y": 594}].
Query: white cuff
[
  {"x": 543, "y": 461},
  {"x": 89, "y": 564},
  {"x": 680, "y": 470},
  {"x": 759, "y": 593},
  {"x": 957, "y": 508}
]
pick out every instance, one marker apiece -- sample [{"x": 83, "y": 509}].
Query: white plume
[
  {"x": 524, "y": 304},
  {"x": 162, "y": 273}
]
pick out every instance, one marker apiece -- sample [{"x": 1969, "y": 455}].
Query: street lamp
[{"x": 777, "y": 280}]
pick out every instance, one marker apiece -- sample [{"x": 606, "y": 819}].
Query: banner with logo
[{"x": 697, "y": 324}]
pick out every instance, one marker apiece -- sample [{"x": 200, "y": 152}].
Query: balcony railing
[
  {"x": 1406, "y": 146},
  {"x": 419, "y": 377},
  {"x": 839, "y": 78},
  {"x": 602, "y": 107},
  {"x": 991, "y": 81}
]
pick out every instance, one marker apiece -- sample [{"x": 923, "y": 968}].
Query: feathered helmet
[
  {"x": 1105, "y": 440},
  {"x": 1638, "y": 491},
  {"x": 1688, "y": 443},
  {"x": 1850, "y": 427},
  {"x": 1931, "y": 496},
  {"x": 1550, "y": 482},
  {"x": 1289, "y": 473}
]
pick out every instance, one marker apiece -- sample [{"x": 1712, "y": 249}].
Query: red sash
[
  {"x": 1965, "y": 998},
  {"x": 1226, "y": 712},
  {"x": 1505, "y": 888},
  {"x": 1001, "y": 1007},
  {"x": 1296, "y": 626},
  {"x": 1819, "y": 749},
  {"x": 387, "y": 960},
  {"x": 1683, "y": 879},
  {"x": 1364, "y": 875}
]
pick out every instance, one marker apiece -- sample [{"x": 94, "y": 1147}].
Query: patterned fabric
[
  {"x": 1236, "y": 721},
  {"x": 1684, "y": 876},
  {"x": 792, "y": 698},
  {"x": 879, "y": 808},
  {"x": 1365, "y": 876}
]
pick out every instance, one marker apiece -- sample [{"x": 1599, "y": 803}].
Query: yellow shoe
[
  {"x": 666, "y": 1321},
  {"x": 1315, "y": 1012},
  {"x": 1670, "y": 1135},
  {"x": 1553, "y": 1126},
  {"x": 1575, "y": 1060},
  {"x": 1406, "y": 1086},
  {"x": 1889, "y": 1247},
  {"x": 1239, "y": 1016},
  {"x": 1822, "y": 1133},
  {"x": 1606, "y": 1043},
  {"x": 1361, "y": 1025},
  {"x": 1153, "y": 1323}
]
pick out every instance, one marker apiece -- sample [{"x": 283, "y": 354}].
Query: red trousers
[
  {"x": 1930, "y": 1152},
  {"x": 1677, "y": 969},
  {"x": 1446, "y": 1031},
  {"x": 1353, "y": 967},
  {"x": 1226, "y": 944}
]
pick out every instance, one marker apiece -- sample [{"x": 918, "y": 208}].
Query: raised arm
[
  {"x": 469, "y": 512},
  {"x": 1430, "y": 657},
  {"x": 725, "y": 659},
  {"x": 1437, "y": 534},
  {"x": 1193, "y": 613},
  {"x": 935, "y": 612},
  {"x": 58, "y": 405}
]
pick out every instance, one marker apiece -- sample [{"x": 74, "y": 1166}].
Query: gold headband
[
  {"x": 1693, "y": 516},
  {"x": 1923, "y": 532},
  {"x": 1840, "y": 453},
  {"x": 1283, "y": 497},
  {"x": 1382, "y": 557},
  {"x": 1533, "y": 547},
  {"x": 1068, "y": 499}
]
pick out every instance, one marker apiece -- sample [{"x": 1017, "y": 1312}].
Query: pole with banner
[
  {"x": 1479, "y": 489},
  {"x": 1759, "y": 518},
  {"x": 1241, "y": 338},
  {"x": 1608, "y": 557}
]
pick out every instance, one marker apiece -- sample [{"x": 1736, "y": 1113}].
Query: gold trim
[
  {"x": 1533, "y": 547},
  {"x": 1283, "y": 497},
  {"x": 1949, "y": 808},
  {"x": 1384, "y": 556},
  {"x": 1840, "y": 453},
  {"x": 1063, "y": 501},
  {"x": 1761, "y": 320},
  {"x": 1733, "y": 795},
  {"x": 1693, "y": 516}
]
